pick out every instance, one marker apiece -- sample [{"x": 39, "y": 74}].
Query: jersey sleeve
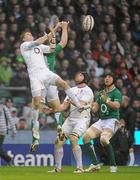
[
  {"x": 118, "y": 97},
  {"x": 28, "y": 45},
  {"x": 58, "y": 48},
  {"x": 45, "y": 49}
]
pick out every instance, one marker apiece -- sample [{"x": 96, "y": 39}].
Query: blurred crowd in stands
[{"x": 112, "y": 46}]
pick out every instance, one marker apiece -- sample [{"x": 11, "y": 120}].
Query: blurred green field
[{"x": 40, "y": 173}]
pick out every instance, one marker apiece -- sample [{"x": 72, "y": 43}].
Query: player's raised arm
[
  {"x": 64, "y": 36},
  {"x": 30, "y": 42}
]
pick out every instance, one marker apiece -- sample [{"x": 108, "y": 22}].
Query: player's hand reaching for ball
[{"x": 64, "y": 24}]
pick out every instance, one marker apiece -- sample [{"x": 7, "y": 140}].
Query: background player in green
[
  {"x": 52, "y": 92},
  {"x": 108, "y": 104}
]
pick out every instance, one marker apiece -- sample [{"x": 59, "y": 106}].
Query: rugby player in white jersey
[
  {"x": 76, "y": 123},
  {"x": 40, "y": 76}
]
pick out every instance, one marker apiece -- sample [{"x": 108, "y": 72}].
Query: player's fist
[
  {"x": 64, "y": 24},
  {"x": 104, "y": 96}
]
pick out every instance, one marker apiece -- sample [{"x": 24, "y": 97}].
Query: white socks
[
  {"x": 35, "y": 124},
  {"x": 73, "y": 97},
  {"x": 58, "y": 157},
  {"x": 58, "y": 118},
  {"x": 77, "y": 152}
]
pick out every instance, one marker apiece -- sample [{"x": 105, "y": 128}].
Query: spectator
[
  {"x": 129, "y": 116},
  {"x": 5, "y": 71},
  {"x": 121, "y": 144},
  {"x": 5, "y": 117},
  {"x": 22, "y": 124}
]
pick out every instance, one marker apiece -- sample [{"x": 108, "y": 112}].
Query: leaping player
[{"x": 40, "y": 76}]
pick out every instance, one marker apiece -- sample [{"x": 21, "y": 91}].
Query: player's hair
[
  {"x": 112, "y": 75},
  {"x": 86, "y": 77},
  {"x": 23, "y": 34}
]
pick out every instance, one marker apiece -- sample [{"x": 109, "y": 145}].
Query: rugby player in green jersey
[
  {"x": 52, "y": 92},
  {"x": 108, "y": 104}
]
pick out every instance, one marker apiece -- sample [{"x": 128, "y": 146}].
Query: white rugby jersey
[
  {"x": 84, "y": 94},
  {"x": 33, "y": 56}
]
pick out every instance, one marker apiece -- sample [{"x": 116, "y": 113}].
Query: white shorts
[
  {"x": 112, "y": 124},
  {"x": 52, "y": 93},
  {"x": 41, "y": 81},
  {"x": 75, "y": 126}
]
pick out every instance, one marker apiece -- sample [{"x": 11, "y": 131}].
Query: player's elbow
[
  {"x": 52, "y": 50},
  {"x": 63, "y": 43},
  {"x": 116, "y": 106}
]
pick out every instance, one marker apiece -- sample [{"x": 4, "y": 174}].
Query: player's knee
[
  {"x": 61, "y": 83},
  {"x": 104, "y": 139},
  {"x": 90, "y": 134},
  {"x": 74, "y": 139},
  {"x": 56, "y": 109},
  {"x": 86, "y": 138},
  {"x": 36, "y": 103}
]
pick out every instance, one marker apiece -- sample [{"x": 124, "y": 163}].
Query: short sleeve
[
  {"x": 118, "y": 97},
  {"x": 58, "y": 48},
  {"x": 45, "y": 49},
  {"x": 28, "y": 45}
]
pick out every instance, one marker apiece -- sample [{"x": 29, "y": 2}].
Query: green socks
[
  {"x": 91, "y": 153},
  {"x": 111, "y": 155}
]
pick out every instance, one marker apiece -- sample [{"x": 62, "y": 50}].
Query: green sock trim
[
  {"x": 58, "y": 118},
  {"x": 111, "y": 154},
  {"x": 34, "y": 139},
  {"x": 91, "y": 153}
]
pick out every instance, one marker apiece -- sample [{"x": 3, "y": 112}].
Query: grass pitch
[{"x": 40, "y": 173}]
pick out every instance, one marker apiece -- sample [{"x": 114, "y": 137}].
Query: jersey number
[
  {"x": 103, "y": 108},
  {"x": 37, "y": 50}
]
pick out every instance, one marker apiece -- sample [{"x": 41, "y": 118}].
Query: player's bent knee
[
  {"x": 90, "y": 134},
  {"x": 74, "y": 139},
  {"x": 61, "y": 83},
  {"x": 36, "y": 103},
  {"x": 86, "y": 138},
  {"x": 104, "y": 139}
]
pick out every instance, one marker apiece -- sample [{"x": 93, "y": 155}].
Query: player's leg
[
  {"x": 35, "y": 124},
  {"x": 93, "y": 132},
  {"x": 79, "y": 128},
  {"x": 59, "y": 82},
  {"x": 66, "y": 128},
  {"x": 36, "y": 89},
  {"x": 77, "y": 152},
  {"x": 54, "y": 103},
  {"x": 105, "y": 137}
]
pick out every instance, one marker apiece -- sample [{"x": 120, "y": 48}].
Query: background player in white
[
  {"x": 40, "y": 76},
  {"x": 76, "y": 123}
]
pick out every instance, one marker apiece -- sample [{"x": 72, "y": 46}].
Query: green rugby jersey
[
  {"x": 106, "y": 112},
  {"x": 50, "y": 60}
]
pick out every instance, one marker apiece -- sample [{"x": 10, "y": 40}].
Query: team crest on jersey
[{"x": 37, "y": 50}]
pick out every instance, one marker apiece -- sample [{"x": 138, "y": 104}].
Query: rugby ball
[{"x": 87, "y": 23}]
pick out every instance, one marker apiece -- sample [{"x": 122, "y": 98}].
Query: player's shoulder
[
  {"x": 88, "y": 89},
  {"x": 24, "y": 44},
  {"x": 116, "y": 90},
  {"x": 73, "y": 88}
]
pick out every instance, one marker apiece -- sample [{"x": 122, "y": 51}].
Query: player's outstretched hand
[{"x": 64, "y": 24}]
